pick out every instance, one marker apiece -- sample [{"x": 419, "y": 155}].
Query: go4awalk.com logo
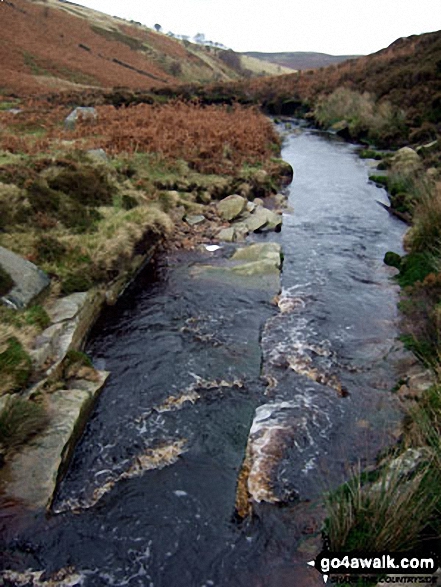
[{"x": 335, "y": 565}]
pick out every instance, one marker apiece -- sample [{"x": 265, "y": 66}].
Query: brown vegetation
[{"x": 61, "y": 46}]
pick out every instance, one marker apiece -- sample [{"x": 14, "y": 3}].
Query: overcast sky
[{"x": 338, "y": 27}]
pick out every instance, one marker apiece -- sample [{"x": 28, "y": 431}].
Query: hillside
[
  {"x": 54, "y": 44},
  {"x": 405, "y": 77},
  {"x": 300, "y": 60}
]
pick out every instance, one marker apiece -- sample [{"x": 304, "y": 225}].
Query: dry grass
[
  {"x": 212, "y": 139},
  {"x": 385, "y": 516}
]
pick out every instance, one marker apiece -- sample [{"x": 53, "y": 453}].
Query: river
[{"x": 200, "y": 368}]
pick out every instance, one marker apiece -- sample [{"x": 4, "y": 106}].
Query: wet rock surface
[
  {"x": 199, "y": 355},
  {"x": 32, "y": 474}
]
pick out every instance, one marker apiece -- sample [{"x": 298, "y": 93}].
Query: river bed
[{"x": 201, "y": 369}]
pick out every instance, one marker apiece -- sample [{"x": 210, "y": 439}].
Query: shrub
[
  {"x": 49, "y": 249},
  {"x": 426, "y": 232},
  {"x": 377, "y": 121},
  {"x": 77, "y": 281},
  {"x": 85, "y": 184}
]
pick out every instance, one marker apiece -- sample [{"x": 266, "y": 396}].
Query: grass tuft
[{"x": 20, "y": 420}]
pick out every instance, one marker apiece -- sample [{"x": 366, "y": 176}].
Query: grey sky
[{"x": 329, "y": 26}]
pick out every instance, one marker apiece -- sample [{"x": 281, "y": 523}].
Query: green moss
[
  {"x": 380, "y": 180},
  {"x": 20, "y": 420},
  {"x": 15, "y": 363},
  {"x": 392, "y": 259},
  {"x": 370, "y": 154}
]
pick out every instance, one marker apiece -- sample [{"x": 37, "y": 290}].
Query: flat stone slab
[
  {"x": 29, "y": 280},
  {"x": 33, "y": 473},
  {"x": 256, "y": 266},
  {"x": 67, "y": 308}
]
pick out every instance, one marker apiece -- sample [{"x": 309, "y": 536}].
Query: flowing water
[{"x": 199, "y": 368}]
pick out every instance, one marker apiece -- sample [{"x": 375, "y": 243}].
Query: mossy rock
[{"x": 392, "y": 259}]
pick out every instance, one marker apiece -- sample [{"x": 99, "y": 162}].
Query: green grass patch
[
  {"x": 414, "y": 267},
  {"x": 119, "y": 37},
  {"x": 380, "y": 180},
  {"x": 370, "y": 154},
  {"x": 37, "y": 316}
]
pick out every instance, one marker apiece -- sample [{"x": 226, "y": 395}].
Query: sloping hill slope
[
  {"x": 407, "y": 74},
  {"x": 54, "y": 44},
  {"x": 300, "y": 60}
]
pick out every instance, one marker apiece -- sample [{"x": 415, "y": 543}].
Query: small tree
[{"x": 158, "y": 28}]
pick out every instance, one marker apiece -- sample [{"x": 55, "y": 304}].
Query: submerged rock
[{"x": 256, "y": 266}]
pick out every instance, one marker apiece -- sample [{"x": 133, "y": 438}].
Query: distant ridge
[{"x": 300, "y": 60}]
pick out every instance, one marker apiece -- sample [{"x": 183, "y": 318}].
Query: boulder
[
  {"x": 98, "y": 155},
  {"x": 192, "y": 220},
  {"x": 341, "y": 128},
  {"x": 273, "y": 220},
  {"x": 227, "y": 234},
  {"x": 231, "y": 207},
  {"x": 256, "y": 267},
  {"x": 268, "y": 254},
  {"x": 79, "y": 112},
  {"x": 285, "y": 172},
  {"x": 406, "y": 160},
  {"x": 29, "y": 280},
  {"x": 257, "y": 220},
  {"x": 67, "y": 307}
]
